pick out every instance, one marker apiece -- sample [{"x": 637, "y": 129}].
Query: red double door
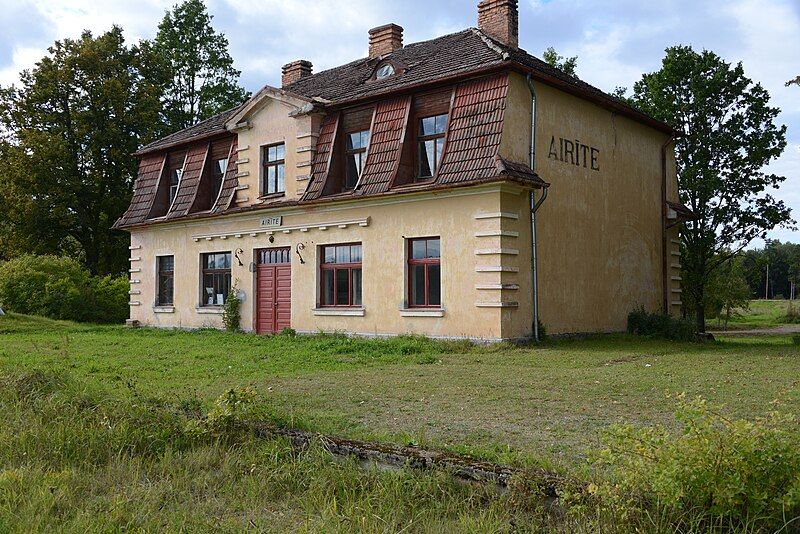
[{"x": 273, "y": 290}]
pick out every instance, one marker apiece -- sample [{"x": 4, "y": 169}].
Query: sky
[{"x": 615, "y": 40}]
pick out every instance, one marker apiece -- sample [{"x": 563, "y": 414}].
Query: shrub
[
  {"x": 45, "y": 285},
  {"x": 792, "y": 314},
  {"x": 110, "y": 299},
  {"x": 232, "y": 312},
  {"x": 230, "y": 415},
  {"x": 542, "y": 332},
  {"x": 60, "y": 288},
  {"x": 288, "y": 332},
  {"x": 644, "y": 323},
  {"x": 740, "y": 474}
]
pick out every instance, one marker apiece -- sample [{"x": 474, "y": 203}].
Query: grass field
[
  {"x": 762, "y": 314},
  {"x": 520, "y": 404},
  {"x": 523, "y": 405}
]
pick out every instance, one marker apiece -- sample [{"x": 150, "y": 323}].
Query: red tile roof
[
  {"x": 190, "y": 181},
  {"x": 320, "y": 166},
  {"x": 385, "y": 145},
  {"x": 144, "y": 190},
  {"x": 475, "y": 130},
  {"x": 230, "y": 182}
]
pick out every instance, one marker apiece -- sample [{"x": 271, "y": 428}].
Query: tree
[
  {"x": 65, "y": 167},
  {"x": 568, "y": 65},
  {"x": 796, "y": 81},
  {"x": 203, "y": 81},
  {"x": 725, "y": 135},
  {"x": 728, "y": 291}
]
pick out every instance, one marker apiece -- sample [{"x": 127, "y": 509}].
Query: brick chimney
[
  {"x": 294, "y": 71},
  {"x": 499, "y": 19},
  {"x": 385, "y": 40}
]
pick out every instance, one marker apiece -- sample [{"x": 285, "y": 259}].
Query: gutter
[{"x": 534, "y": 208}]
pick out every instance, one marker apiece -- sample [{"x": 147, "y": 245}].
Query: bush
[
  {"x": 230, "y": 415},
  {"x": 110, "y": 299},
  {"x": 792, "y": 314},
  {"x": 644, "y": 323},
  {"x": 737, "y": 474},
  {"x": 60, "y": 288},
  {"x": 232, "y": 312}
]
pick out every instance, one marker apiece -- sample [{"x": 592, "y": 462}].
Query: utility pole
[{"x": 766, "y": 285}]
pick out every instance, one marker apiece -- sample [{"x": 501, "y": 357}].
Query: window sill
[
  {"x": 422, "y": 312},
  {"x": 163, "y": 309},
  {"x": 339, "y": 312},
  {"x": 210, "y": 310},
  {"x": 272, "y": 196}
]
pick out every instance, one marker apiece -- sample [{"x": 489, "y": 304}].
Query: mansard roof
[
  {"x": 202, "y": 130},
  {"x": 458, "y": 54}
]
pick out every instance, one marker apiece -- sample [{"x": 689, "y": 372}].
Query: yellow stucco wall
[
  {"x": 270, "y": 123},
  {"x": 599, "y": 231},
  {"x": 467, "y": 220}
]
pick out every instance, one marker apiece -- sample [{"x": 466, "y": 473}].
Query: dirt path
[{"x": 786, "y": 329}]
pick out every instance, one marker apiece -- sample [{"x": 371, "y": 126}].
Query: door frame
[{"x": 256, "y": 264}]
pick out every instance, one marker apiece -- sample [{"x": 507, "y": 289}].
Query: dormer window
[
  {"x": 357, "y": 143},
  {"x": 431, "y": 144},
  {"x": 176, "y": 163},
  {"x": 385, "y": 70},
  {"x": 219, "y": 166},
  {"x": 174, "y": 181}
]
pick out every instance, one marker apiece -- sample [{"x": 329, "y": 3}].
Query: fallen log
[{"x": 461, "y": 466}]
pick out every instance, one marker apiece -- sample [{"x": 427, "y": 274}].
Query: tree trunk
[{"x": 701, "y": 316}]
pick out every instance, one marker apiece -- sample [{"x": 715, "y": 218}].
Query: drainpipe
[
  {"x": 534, "y": 208},
  {"x": 664, "y": 259}
]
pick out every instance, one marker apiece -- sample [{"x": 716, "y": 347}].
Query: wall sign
[
  {"x": 574, "y": 153},
  {"x": 271, "y": 222}
]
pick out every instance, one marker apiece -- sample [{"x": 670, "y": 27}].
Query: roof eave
[{"x": 499, "y": 179}]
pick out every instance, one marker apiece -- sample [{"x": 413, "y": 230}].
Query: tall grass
[{"x": 78, "y": 460}]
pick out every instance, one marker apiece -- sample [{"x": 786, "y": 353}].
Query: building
[{"x": 440, "y": 188}]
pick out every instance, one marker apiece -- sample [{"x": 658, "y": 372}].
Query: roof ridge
[
  {"x": 493, "y": 46},
  {"x": 367, "y": 59}
]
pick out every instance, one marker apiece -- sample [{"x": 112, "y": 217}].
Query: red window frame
[
  {"x": 427, "y": 262},
  {"x": 334, "y": 267}
]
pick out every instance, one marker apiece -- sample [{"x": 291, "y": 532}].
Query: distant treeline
[{"x": 781, "y": 261}]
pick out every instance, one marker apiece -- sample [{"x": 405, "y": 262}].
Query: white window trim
[
  {"x": 339, "y": 312},
  {"x": 422, "y": 312},
  {"x": 208, "y": 310}
]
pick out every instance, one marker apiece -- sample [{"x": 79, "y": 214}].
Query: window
[
  {"x": 384, "y": 70},
  {"x": 166, "y": 280},
  {"x": 216, "y": 278},
  {"x": 218, "y": 174},
  {"x": 340, "y": 272},
  {"x": 431, "y": 142},
  {"x": 219, "y": 165},
  {"x": 274, "y": 175},
  {"x": 424, "y": 273},
  {"x": 357, "y": 143},
  {"x": 176, "y": 162}
]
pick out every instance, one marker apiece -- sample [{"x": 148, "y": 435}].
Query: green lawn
[
  {"x": 761, "y": 314},
  {"x": 97, "y": 442},
  {"x": 521, "y": 404}
]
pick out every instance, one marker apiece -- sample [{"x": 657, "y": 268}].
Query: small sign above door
[{"x": 271, "y": 222}]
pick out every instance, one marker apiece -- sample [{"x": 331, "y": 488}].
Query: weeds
[{"x": 716, "y": 472}]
